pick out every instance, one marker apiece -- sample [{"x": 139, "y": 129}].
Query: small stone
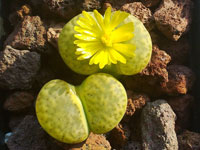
[
  {"x": 30, "y": 34},
  {"x": 173, "y": 18},
  {"x": 30, "y": 136},
  {"x": 182, "y": 106},
  {"x": 150, "y": 79},
  {"x": 19, "y": 101},
  {"x": 158, "y": 126},
  {"x": 18, "y": 68},
  {"x": 138, "y": 10},
  {"x": 19, "y": 15},
  {"x": 64, "y": 8},
  {"x": 119, "y": 136},
  {"x": 150, "y": 3},
  {"x": 181, "y": 80},
  {"x": 53, "y": 34},
  {"x": 90, "y": 5},
  {"x": 189, "y": 141}
]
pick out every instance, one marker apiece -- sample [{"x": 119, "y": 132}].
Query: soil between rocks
[{"x": 160, "y": 98}]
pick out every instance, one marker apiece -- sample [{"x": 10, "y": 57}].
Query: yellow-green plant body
[{"x": 69, "y": 113}]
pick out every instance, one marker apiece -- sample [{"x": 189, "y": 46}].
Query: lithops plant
[
  {"x": 116, "y": 43},
  {"x": 69, "y": 113}
]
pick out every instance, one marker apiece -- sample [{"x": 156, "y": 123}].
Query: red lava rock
[
  {"x": 64, "y": 8},
  {"x": 182, "y": 106},
  {"x": 30, "y": 136},
  {"x": 18, "y": 68},
  {"x": 138, "y": 10},
  {"x": 153, "y": 76},
  {"x": 150, "y": 3},
  {"x": 19, "y": 101},
  {"x": 30, "y": 34},
  {"x": 119, "y": 136},
  {"x": 189, "y": 141},
  {"x": 181, "y": 80},
  {"x": 19, "y": 15},
  {"x": 173, "y": 18}
]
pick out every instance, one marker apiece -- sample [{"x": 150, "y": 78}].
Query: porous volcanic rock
[
  {"x": 30, "y": 136},
  {"x": 30, "y": 34},
  {"x": 182, "y": 106},
  {"x": 141, "y": 12},
  {"x": 173, "y": 18},
  {"x": 150, "y": 79},
  {"x": 64, "y": 8},
  {"x": 181, "y": 80},
  {"x": 189, "y": 141},
  {"x": 150, "y": 3},
  {"x": 158, "y": 126},
  {"x": 18, "y": 68},
  {"x": 19, "y": 101}
]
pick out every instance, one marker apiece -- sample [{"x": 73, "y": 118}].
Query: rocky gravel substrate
[{"x": 160, "y": 97}]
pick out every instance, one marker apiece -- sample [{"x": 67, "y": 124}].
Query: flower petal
[
  {"x": 99, "y": 18},
  {"x": 85, "y": 37},
  {"x": 125, "y": 49},
  {"x": 117, "y": 56},
  {"x": 123, "y": 33},
  {"x": 107, "y": 17},
  {"x": 117, "y": 18}
]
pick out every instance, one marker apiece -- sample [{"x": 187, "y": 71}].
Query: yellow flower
[{"x": 103, "y": 39}]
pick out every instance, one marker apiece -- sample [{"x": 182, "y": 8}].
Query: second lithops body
[
  {"x": 116, "y": 42},
  {"x": 69, "y": 113}
]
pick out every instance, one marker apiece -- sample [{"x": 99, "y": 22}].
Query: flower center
[{"x": 106, "y": 40}]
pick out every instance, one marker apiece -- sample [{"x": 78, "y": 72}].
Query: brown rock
[
  {"x": 90, "y": 5},
  {"x": 53, "y": 34},
  {"x": 182, "y": 106},
  {"x": 153, "y": 76},
  {"x": 150, "y": 3},
  {"x": 173, "y": 18},
  {"x": 119, "y": 136},
  {"x": 18, "y": 68},
  {"x": 181, "y": 80},
  {"x": 19, "y": 101},
  {"x": 133, "y": 145},
  {"x": 29, "y": 34},
  {"x": 64, "y": 8},
  {"x": 189, "y": 141},
  {"x": 93, "y": 142},
  {"x": 138, "y": 10},
  {"x": 20, "y": 14}
]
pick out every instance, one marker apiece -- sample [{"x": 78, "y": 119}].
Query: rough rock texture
[
  {"x": 133, "y": 145},
  {"x": 173, "y": 18},
  {"x": 53, "y": 34},
  {"x": 153, "y": 76},
  {"x": 18, "y": 68},
  {"x": 90, "y": 5},
  {"x": 189, "y": 141},
  {"x": 30, "y": 136},
  {"x": 19, "y": 15},
  {"x": 19, "y": 101},
  {"x": 135, "y": 102},
  {"x": 179, "y": 51},
  {"x": 64, "y": 8},
  {"x": 182, "y": 106},
  {"x": 30, "y": 34},
  {"x": 138, "y": 10},
  {"x": 150, "y": 3},
  {"x": 158, "y": 124},
  {"x": 181, "y": 80},
  {"x": 119, "y": 136}
]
